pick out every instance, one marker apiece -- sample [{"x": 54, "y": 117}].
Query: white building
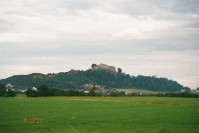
[
  {"x": 34, "y": 88},
  {"x": 9, "y": 86}
]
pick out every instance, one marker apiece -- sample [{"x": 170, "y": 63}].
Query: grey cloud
[
  {"x": 159, "y": 9},
  {"x": 136, "y": 46},
  {"x": 174, "y": 45},
  {"x": 135, "y": 7},
  {"x": 179, "y": 6},
  {"x": 5, "y": 26},
  {"x": 193, "y": 25},
  {"x": 78, "y": 4}
]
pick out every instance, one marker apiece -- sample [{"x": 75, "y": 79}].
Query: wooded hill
[{"x": 102, "y": 75}]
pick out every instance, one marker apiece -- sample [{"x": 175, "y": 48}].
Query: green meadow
[{"x": 99, "y": 115}]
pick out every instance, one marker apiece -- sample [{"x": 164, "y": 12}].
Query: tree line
[
  {"x": 45, "y": 91},
  {"x": 169, "y": 94}
]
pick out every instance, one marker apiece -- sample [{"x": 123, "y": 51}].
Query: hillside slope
[{"x": 104, "y": 76}]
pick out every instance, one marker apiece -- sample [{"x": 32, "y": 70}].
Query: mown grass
[{"x": 100, "y": 115}]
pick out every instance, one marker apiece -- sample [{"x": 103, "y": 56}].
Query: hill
[{"x": 101, "y": 74}]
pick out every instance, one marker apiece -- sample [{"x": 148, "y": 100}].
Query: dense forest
[{"x": 99, "y": 75}]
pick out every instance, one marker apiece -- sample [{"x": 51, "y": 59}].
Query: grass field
[
  {"x": 137, "y": 91},
  {"x": 99, "y": 115}
]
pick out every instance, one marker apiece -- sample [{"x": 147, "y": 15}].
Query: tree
[
  {"x": 2, "y": 89},
  {"x": 31, "y": 93},
  {"x": 198, "y": 88},
  {"x": 123, "y": 93},
  {"x": 43, "y": 90},
  {"x": 119, "y": 70},
  {"x": 10, "y": 93},
  {"x": 93, "y": 66}
]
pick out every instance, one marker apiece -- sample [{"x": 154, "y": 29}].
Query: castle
[{"x": 105, "y": 67}]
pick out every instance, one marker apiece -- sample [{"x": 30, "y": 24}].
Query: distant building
[
  {"x": 195, "y": 91},
  {"x": 86, "y": 92},
  {"x": 33, "y": 88},
  {"x": 96, "y": 88},
  {"x": 182, "y": 90},
  {"x": 22, "y": 90},
  {"x": 105, "y": 67},
  {"x": 9, "y": 86}
]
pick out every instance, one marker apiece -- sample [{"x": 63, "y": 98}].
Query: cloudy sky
[{"x": 143, "y": 37}]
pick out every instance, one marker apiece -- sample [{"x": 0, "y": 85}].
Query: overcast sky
[{"x": 143, "y": 37}]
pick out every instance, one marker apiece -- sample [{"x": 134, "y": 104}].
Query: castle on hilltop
[{"x": 104, "y": 67}]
